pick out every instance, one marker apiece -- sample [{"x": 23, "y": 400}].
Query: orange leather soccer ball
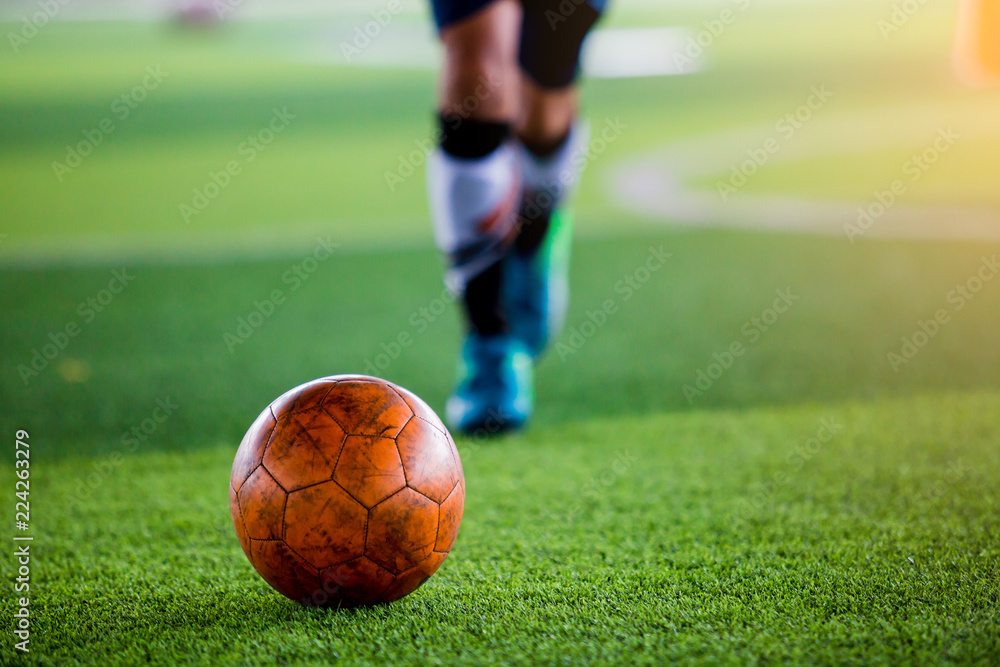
[{"x": 347, "y": 491}]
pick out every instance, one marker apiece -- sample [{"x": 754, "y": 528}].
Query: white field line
[
  {"x": 660, "y": 184},
  {"x": 657, "y": 184}
]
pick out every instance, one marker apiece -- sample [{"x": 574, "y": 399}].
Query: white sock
[
  {"x": 550, "y": 180},
  {"x": 474, "y": 205}
]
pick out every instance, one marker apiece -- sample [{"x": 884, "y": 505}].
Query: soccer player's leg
[
  {"x": 552, "y": 142},
  {"x": 475, "y": 187},
  {"x": 977, "y": 42}
]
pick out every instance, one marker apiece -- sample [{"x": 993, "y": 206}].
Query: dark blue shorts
[
  {"x": 552, "y": 33},
  {"x": 447, "y": 12}
]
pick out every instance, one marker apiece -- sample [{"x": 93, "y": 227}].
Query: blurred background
[{"x": 210, "y": 150}]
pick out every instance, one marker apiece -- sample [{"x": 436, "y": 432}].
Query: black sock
[
  {"x": 483, "y": 302},
  {"x": 534, "y": 223},
  {"x": 468, "y": 138}
]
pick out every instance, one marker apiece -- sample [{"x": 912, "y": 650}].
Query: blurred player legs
[{"x": 497, "y": 185}]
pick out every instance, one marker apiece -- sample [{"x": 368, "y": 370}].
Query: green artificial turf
[
  {"x": 628, "y": 524},
  {"x": 723, "y": 537},
  {"x": 166, "y": 335}
]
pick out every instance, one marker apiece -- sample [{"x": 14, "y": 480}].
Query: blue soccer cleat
[
  {"x": 536, "y": 286},
  {"x": 495, "y": 393}
]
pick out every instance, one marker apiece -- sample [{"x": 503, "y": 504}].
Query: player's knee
[
  {"x": 480, "y": 80},
  {"x": 552, "y": 41},
  {"x": 546, "y": 118}
]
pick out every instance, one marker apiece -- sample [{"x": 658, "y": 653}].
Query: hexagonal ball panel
[
  {"x": 367, "y": 407},
  {"x": 262, "y": 504},
  {"x": 310, "y": 396},
  {"x": 301, "y": 397},
  {"x": 285, "y": 571},
  {"x": 303, "y": 449},
  {"x": 370, "y": 469},
  {"x": 409, "y": 581},
  {"x": 428, "y": 458},
  {"x": 402, "y": 531},
  {"x": 419, "y": 408},
  {"x": 325, "y": 525},
  {"x": 251, "y": 449},
  {"x": 356, "y": 582},
  {"x": 450, "y": 519},
  {"x": 423, "y": 411}
]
